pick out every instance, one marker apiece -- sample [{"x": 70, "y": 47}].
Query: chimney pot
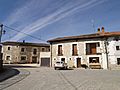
[
  {"x": 103, "y": 30},
  {"x": 98, "y": 30}
]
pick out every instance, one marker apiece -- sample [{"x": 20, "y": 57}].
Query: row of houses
[{"x": 97, "y": 50}]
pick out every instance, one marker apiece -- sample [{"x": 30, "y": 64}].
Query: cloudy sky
[{"x": 48, "y": 19}]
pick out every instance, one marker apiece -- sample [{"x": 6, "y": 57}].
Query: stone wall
[{"x": 15, "y": 53}]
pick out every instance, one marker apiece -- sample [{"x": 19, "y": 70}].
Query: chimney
[
  {"x": 98, "y": 31},
  {"x": 103, "y": 30}
]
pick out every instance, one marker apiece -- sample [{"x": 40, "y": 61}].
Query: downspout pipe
[{"x": 106, "y": 52}]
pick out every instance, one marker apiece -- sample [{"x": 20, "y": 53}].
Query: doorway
[
  {"x": 78, "y": 62},
  {"x": 34, "y": 59},
  {"x": 63, "y": 59}
]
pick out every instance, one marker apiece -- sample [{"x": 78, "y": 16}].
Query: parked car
[{"x": 60, "y": 65}]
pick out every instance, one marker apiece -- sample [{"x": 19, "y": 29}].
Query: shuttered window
[
  {"x": 74, "y": 49},
  {"x": 60, "y": 50},
  {"x": 34, "y": 51},
  {"x": 91, "y": 48}
]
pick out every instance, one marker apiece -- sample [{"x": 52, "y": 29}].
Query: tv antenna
[{"x": 93, "y": 24}]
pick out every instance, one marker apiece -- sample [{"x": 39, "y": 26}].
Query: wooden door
[{"x": 78, "y": 62}]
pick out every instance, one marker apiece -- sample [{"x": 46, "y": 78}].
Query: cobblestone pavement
[
  {"x": 23, "y": 73},
  {"x": 78, "y": 79}
]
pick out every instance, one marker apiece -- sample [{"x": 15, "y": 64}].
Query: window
[
  {"x": 8, "y": 48},
  {"x": 22, "y": 49},
  {"x": 63, "y": 59},
  {"x": 60, "y": 50},
  {"x": 118, "y": 61},
  {"x": 98, "y": 44},
  {"x": 116, "y": 38},
  {"x": 74, "y": 49},
  {"x": 34, "y": 51},
  {"x": 7, "y": 57},
  {"x": 117, "y": 48},
  {"x": 23, "y": 58},
  {"x": 94, "y": 60},
  {"x": 91, "y": 48},
  {"x": 43, "y": 49}
]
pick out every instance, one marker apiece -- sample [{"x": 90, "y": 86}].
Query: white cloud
[{"x": 51, "y": 18}]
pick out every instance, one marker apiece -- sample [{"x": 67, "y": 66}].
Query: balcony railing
[{"x": 87, "y": 53}]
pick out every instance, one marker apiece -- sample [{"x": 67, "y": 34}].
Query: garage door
[{"x": 45, "y": 62}]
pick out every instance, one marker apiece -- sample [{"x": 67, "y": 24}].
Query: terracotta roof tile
[{"x": 87, "y": 36}]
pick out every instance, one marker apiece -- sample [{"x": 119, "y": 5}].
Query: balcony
[
  {"x": 95, "y": 65},
  {"x": 93, "y": 49}
]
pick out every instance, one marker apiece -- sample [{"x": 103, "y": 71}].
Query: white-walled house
[
  {"x": 96, "y": 50},
  {"x": 113, "y": 49}
]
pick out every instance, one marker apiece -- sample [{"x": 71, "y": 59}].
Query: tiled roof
[
  {"x": 87, "y": 36},
  {"x": 25, "y": 44}
]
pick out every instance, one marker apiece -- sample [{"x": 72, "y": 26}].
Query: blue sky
[{"x": 48, "y": 19}]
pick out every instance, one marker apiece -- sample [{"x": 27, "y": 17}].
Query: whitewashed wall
[{"x": 81, "y": 47}]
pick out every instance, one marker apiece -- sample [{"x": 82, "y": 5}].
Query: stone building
[
  {"x": 97, "y": 50},
  {"x": 24, "y": 52}
]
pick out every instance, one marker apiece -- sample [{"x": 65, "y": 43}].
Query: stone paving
[{"x": 78, "y": 79}]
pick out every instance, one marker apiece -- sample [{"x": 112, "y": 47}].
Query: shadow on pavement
[
  {"x": 19, "y": 66},
  {"x": 66, "y": 69},
  {"x": 8, "y": 73}
]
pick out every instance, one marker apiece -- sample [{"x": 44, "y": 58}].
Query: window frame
[
  {"x": 24, "y": 59},
  {"x": 117, "y": 47},
  {"x": 8, "y": 57},
  {"x": 9, "y": 48},
  {"x": 22, "y": 49},
  {"x": 74, "y": 47},
  {"x": 35, "y": 51},
  {"x": 60, "y": 50},
  {"x": 118, "y": 61},
  {"x": 94, "y": 60},
  {"x": 43, "y": 49}
]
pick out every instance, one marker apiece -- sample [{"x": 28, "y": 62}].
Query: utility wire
[{"x": 24, "y": 33}]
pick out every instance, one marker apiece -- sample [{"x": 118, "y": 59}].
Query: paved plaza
[{"x": 44, "y": 78}]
